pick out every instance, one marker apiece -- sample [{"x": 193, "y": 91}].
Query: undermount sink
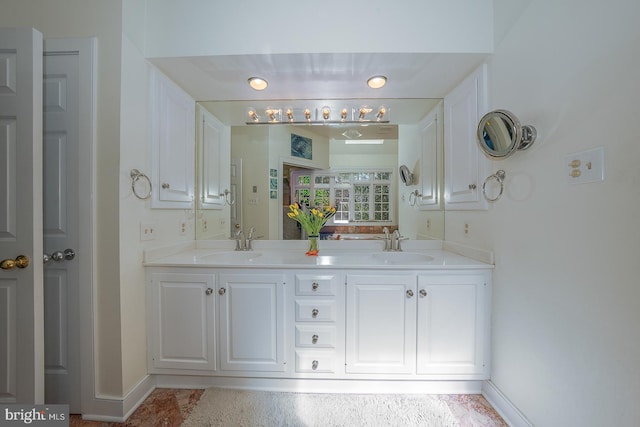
[
  {"x": 230, "y": 257},
  {"x": 402, "y": 258}
]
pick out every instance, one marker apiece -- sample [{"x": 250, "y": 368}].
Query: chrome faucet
[
  {"x": 396, "y": 238},
  {"x": 387, "y": 239},
  {"x": 250, "y": 238},
  {"x": 241, "y": 243}
]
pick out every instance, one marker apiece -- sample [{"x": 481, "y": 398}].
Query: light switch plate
[{"x": 585, "y": 166}]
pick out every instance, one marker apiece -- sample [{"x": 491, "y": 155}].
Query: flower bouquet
[{"x": 311, "y": 220}]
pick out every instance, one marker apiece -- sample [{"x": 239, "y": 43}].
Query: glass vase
[{"x": 313, "y": 245}]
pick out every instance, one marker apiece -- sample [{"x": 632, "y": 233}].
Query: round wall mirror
[
  {"x": 405, "y": 175},
  {"x": 500, "y": 134}
]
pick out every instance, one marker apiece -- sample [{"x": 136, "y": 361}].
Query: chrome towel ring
[
  {"x": 135, "y": 177},
  {"x": 499, "y": 177}
]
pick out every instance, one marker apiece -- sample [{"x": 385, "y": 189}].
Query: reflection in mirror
[
  {"x": 500, "y": 134},
  {"x": 264, "y": 166}
]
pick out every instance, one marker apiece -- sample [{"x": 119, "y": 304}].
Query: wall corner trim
[{"x": 505, "y": 408}]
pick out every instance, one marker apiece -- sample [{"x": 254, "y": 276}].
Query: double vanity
[{"x": 354, "y": 318}]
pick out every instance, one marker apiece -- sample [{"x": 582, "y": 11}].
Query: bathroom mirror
[
  {"x": 262, "y": 163},
  {"x": 500, "y": 134}
]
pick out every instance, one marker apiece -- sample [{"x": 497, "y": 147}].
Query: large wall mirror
[{"x": 270, "y": 164}]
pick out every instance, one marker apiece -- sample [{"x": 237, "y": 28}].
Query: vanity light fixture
[
  {"x": 326, "y": 113},
  {"x": 323, "y": 114},
  {"x": 258, "y": 83},
  {"x": 362, "y": 115},
  {"x": 289, "y": 114},
  {"x": 376, "y": 82},
  {"x": 253, "y": 115}
]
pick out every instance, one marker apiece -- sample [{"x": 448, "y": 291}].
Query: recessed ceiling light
[
  {"x": 376, "y": 82},
  {"x": 258, "y": 83}
]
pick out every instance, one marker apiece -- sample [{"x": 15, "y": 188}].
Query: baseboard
[
  {"x": 118, "y": 409},
  {"x": 504, "y": 406},
  {"x": 322, "y": 385}
]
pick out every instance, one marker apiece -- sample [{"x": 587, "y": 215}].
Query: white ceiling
[{"x": 322, "y": 77}]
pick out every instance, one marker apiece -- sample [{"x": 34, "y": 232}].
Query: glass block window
[{"x": 361, "y": 197}]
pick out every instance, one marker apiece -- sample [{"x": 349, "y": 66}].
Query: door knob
[{"x": 21, "y": 261}]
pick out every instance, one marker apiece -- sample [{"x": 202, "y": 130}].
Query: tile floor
[{"x": 170, "y": 407}]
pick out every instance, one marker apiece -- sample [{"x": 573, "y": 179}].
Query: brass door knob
[{"x": 21, "y": 261}]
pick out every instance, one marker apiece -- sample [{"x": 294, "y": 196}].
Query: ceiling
[{"x": 412, "y": 78}]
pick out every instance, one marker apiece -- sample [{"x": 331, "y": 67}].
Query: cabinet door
[
  {"x": 251, "y": 322},
  {"x": 214, "y": 154},
  {"x": 181, "y": 321},
  {"x": 452, "y": 326},
  {"x": 431, "y": 173},
  {"x": 465, "y": 166},
  {"x": 172, "y": 144},
  {"x": 381, "y": 324}
]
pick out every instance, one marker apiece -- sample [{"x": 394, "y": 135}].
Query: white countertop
[{"x": 416, "y": 255}]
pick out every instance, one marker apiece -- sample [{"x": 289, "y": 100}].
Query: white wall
[
  {"x": 202, "y": 27},
  {"x": 566, "y": 343}
]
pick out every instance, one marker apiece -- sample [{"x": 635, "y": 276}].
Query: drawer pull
[
  {"x": 409, "y": 293},
  {"x": 423, "y": 293},
  {"x": 314, "y": 339},
  {"x": 314, "y": 365},
  {"x": 222, "y": 291},
  {"x": 209, "y": 291},
  {"x": 314, "y": 313},
  {"x": 315, "y": 286}
]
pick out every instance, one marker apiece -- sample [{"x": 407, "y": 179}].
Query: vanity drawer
[
  {"x": 315, "y": 311},
  {"x": 315, "y": 361},
  {"x": 315, "y": 336},
  {"x": 314, "y": 284}
]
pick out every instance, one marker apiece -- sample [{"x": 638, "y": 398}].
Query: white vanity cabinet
[
  {"x": 453, "y": 324},
  {"x": 426, "y": 324},
  {"x": 252, "y": 328},
  {"x": 181, "y": 321},
  {"x": 248, "y": 324},
  {"x": 381, "y": 327},
  {"x": 465, "y": 166},
  {"x": 319, "y": 323},
  {"x": 172, "y": 118}
]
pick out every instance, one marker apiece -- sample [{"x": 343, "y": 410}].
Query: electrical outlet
[
  {"x": 204, "y": 225},
  {"x": 182, "y": 227},
  {"x": 466, "y": 230},
  {"x": 147, "y": 231},
  {"x": 428, "y": 224}
]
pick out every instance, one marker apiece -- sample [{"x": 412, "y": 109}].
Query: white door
[
  {"x": 61, "y": 233},
  {"x": 21, "y": 289},
  {"x": 381, "y": 331}
]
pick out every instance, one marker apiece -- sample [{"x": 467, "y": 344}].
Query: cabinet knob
[
  {"x": 166, "y": 185},
  {"x": 314, "y": 313},
  {"x": 314, "y": 365},
  {"x": 314, "y": 339},
  {"x": 423, "y": 293},
  {"x": 209, "y": 291},
  {"x": 472, "y": 186},
  {"x": 315, "y": 286},
  {"x": 410, "y": 293},
  {"x": 222, "y": 291}
]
